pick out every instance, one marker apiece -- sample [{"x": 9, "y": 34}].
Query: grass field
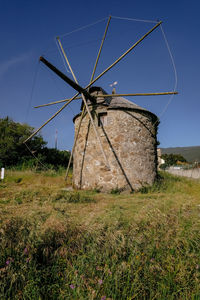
[{"x": 56, "y": 244}]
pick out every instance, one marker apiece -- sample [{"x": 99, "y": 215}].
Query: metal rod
[
  {"x": 102, "y": 42},
  {"x": 131, "y": 48},
  {"x": 138, "y": 94},
  {"x": 85, "y": 102}
]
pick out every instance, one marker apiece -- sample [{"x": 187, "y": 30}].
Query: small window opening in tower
[{"x": 102, "y": 119}]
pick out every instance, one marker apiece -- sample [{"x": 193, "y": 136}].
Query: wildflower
[
  {"x": 7, "y": 262},
  {"x": 28, "y": 259},
  {"x": 100, "y": 281},
  {"x": 103, "y": 298},
  {"x": 72, "y": 286},
  {"x": 26, "y": 250}
]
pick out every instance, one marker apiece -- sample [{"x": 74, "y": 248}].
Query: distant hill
[{"x": 191, "y": 154}]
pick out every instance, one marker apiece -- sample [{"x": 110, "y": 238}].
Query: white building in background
[{"x": 161, "y": 161}]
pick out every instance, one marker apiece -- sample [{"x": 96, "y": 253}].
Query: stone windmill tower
[
  {"x": 115, "y": 144},
  {"x": 128, "y": 134}
]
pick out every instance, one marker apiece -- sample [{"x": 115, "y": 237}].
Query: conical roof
[
  {"x": 114, "y": 102},
  {"x": 120, "y": 102},
  {"x": 123, "y": 103}
]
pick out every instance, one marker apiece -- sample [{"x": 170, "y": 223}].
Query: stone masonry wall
[{"x": 129, "y": 141}]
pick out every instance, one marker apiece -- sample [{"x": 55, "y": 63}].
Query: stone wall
[{"x": 129, "y": 141}]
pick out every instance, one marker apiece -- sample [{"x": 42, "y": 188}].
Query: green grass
[{"x": 56, "y": 244}]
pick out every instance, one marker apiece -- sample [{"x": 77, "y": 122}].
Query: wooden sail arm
[
  {"x": 56, "y": 102},
  {"x": 137, "y": 94},
  {"x": 112, "y": 95},
  {"x": 72, "y": 83}
]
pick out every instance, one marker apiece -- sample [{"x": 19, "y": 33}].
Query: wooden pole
[
  {"x": 83, "y": 111},
  {"x": 95, "y": 66},
  {"x": 139, "y": 94},
  {"x": 96, "y": 132},
  {"x": 51, "y": 118},
  {"x": 74, "y": 145},
  {"x": 106, "y": 70},
  {"x": 102, "y": 42},
  {"x": 123, "y": 55},
  {"x": 56, "y": 102},
  {"x": 63, "y": 52},
  {"x": 85, "y": 103}
]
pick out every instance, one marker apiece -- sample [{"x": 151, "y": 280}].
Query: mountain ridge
[{"x": 191, "y": 153}]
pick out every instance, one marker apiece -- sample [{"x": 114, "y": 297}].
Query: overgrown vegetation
[
  {"x": 172, "y": 159},
  {"x": 14, "y": 153},
  {"x": 59, "y": 244}
]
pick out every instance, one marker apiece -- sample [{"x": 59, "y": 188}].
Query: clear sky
[{"x": 29, "y": 28}]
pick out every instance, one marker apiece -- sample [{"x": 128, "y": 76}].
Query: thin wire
[
  {"x": 175, "y": 71},
  {"x": 52, "y": 50},
  {"x": 89, "y": 25},
  {"x": 137, "y": 20},
  {"x": 36, "y": 157},
  {"x": 58, "y": 88},
  {"x": 83, "y": 27},
  {"x": 32, "y": 89},
  {"x": 64, "y": 62},
  {"x": 82, "y": 44}
]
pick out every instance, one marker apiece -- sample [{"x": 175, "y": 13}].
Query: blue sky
[{"x": 29, "y": 28}]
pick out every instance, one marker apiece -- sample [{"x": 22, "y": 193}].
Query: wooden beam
[
  {"x": 97, "y": 60},
  {"x": 123, "y": 55},
  {"x": 56, "y": 102},
  {"x": 51, "y": 118},
  {"x": 86, "y": 105},
  {"x": 83, "y": 106},
  {"x": 137, "y": 94}
]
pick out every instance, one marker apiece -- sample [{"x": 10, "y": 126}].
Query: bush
[{"x": 14, "y": 153}]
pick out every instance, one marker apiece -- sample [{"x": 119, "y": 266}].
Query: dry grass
[{"x": 87, "y": 245}]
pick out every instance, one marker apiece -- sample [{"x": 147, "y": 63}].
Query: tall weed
[{"x": 148, "y": 253}]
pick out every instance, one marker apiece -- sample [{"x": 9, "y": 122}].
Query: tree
[
  {"x": 14, "y": 152},
  {"x": 55, "y": 157},
  {"x": 12, "y": 136},
  {"x": 173, "y": 159}
]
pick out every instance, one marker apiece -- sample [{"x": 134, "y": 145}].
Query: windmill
[{"x": 100, "y": 144}]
